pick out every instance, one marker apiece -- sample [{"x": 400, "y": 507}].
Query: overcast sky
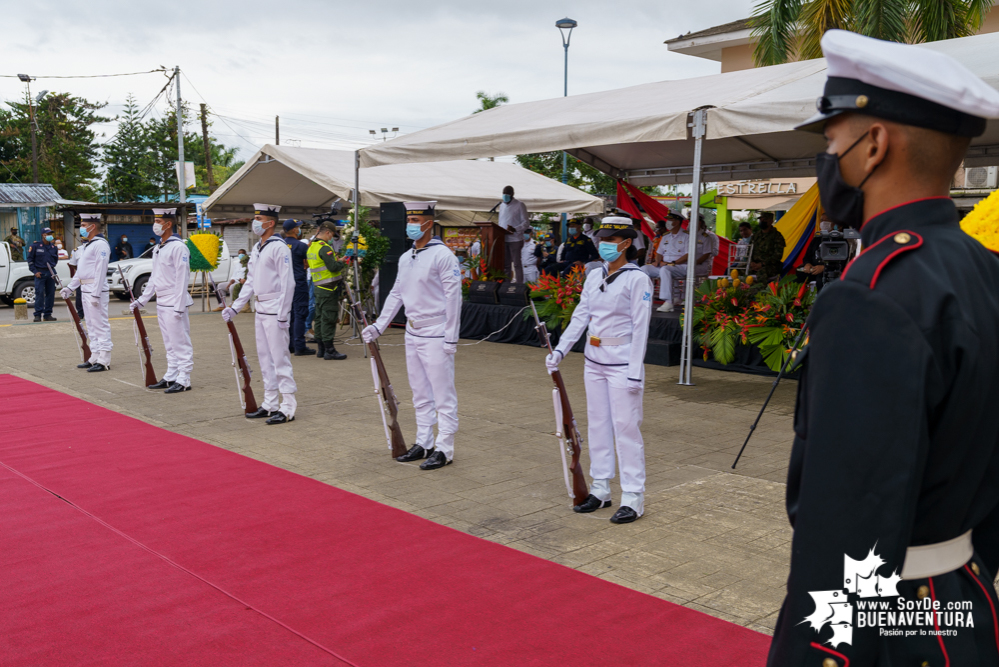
[{"x": 333, "y": 70}]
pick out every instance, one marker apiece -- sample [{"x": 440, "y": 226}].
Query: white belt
[
  {"x": 268, "y": 297},
  {"x": 86, "y": 281},
  {"x": 601, "y": 341},
  {"x": 931, "y": 560},
  {"x": 429, "y": 322},
  {"x": 326, "y": 281}
]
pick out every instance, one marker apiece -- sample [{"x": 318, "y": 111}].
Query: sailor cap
[
  {"x": 169, "y": 213},
  {"x": 270, "y": 210},
  {"x": 616, "y": 226},
  {"x": 420, "y": 207},
  {"x": 90, "y": 217},
  {"x": 912, "y": 85}
]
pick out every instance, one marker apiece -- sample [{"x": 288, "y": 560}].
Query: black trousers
[{"x": 299, "y": 313}]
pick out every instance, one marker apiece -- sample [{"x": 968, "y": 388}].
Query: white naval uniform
[
  {"x": 168, "y": 281},
  {"x": 671, "y": 248},
  {"x": 270, "y": 277},
  {"x": 92, "y": 278},
  {"x": 620, "y": 310},
  {"x": 429, "y": 286}
]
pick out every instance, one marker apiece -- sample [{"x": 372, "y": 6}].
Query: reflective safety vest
[{"x": 317, "y": 267}]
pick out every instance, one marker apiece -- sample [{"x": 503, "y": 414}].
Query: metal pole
[
  {"x": 181, "y": 166},
  {"x": 565, "y": 156},
  {"x": 355, "y": 238},
  {"x": 277, "y": 130},
  {"x": 34, "y": 135},
  {"x": 697, "y": 130}
]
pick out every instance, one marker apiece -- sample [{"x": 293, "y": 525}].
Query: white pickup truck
[
  {"x": 18, "y": 282},
  {"x": 137, "y": 271}
]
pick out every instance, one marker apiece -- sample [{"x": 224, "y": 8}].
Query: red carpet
[{"x": 169, "y": 551}]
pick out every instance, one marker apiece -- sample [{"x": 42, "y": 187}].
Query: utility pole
[
  {"x": 208, "y": 150},
  {"x": 34, "y": 128},
  {"x": 277, "y": 130},
  {"x": 181, "y": 165}
]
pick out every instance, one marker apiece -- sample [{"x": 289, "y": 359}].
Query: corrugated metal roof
[{"x": 28, "y": 194}]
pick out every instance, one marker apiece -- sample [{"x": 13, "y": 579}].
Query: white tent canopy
[
  {"x": 313, "y": 178},
  {"x": 642, "y": 132}
]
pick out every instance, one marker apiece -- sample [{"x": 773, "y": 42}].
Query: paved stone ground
[{"x": 711, "y": 539}]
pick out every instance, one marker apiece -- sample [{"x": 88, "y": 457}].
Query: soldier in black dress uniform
[{"x": 893, "y": 487}]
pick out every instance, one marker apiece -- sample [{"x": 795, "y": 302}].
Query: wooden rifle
[
  {"x": 239, "y": 363},
  {"x": 570, "y": 441},
  {"x": 81, "y": 334},
  {"x": 383, "y": 387},
  {"x": 141, "y": 338}
]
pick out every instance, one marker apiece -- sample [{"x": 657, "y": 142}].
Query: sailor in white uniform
[
  {"x": 91, "y": 278},
  {"x": 269, "y": 276},
  {"x": 429, "y": 286},
  {"x": 168, "y": 282},
  {"x": 616, "y": 305}
]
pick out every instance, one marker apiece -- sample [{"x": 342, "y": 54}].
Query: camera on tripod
[
  {"x": 334, "y": 215},
  {"x": 834, "y": 251}
]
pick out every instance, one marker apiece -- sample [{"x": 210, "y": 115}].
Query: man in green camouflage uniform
[
  {"x": 768, "y": 248},
  {"x": 327, "y": 281},
  {"x": 16, "y": 245}
]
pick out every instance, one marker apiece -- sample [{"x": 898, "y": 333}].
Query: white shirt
[
  {"x": 673, "y": 246},
  {"x": 170, "y": 277},
  {"x": 92, "y": 266},
  {"x": 475, "y": 249},
  {"x": 622, "y": 308},
  {"x": 527, "y": 257},
  {"x": 429, "y": 286},
  {"x": 74, "y": 257},
  {"x": 513, "y": 218},
  {"x": 640, "y": 240},
  {"x": 707, "y": 243},
  {"x": 270, "y": 277}
]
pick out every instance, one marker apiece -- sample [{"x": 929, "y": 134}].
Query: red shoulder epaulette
[{"x": 867, "y": 266}]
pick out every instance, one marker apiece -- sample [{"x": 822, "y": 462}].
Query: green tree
[
  {"x": 580, "y": 175},
  {"x": 68, "y": 150},
  {"x": 129, "y": 162},
  {"x": 792, "y": 29},
  {"x": 488, "y": 102}
]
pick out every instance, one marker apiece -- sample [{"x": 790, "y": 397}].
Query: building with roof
[{"x": 30, "y": 207}]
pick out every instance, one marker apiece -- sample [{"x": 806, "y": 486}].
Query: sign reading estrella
[{"x": 757, "y": 188}]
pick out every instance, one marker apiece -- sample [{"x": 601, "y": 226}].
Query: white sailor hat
[
  {"x": 269, "y": 210},
  {"x": 169, "y": 213},
  {"x": 616, "y": 226},
  {"x": 912, "y": 85},
  {"x": 420, "y": 207},
  {"x": 90, "y": 217}
]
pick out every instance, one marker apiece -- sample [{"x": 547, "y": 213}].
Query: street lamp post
[
  {"x": 34, "y": 128},
  {"x": 565, "y": 27}
]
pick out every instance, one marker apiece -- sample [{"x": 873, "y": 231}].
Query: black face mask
[{"x": 842, "y": 202}]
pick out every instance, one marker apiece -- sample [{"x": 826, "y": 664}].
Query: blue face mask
[
  {"x": 507, "y": 198},
  {"x": 48, "y": 238},
  {"x": 609, "y": 251},
  {"x": 84, "y": 233},
  {"x": 414, "y": 230},
  {"x": 527, "y": 236}
]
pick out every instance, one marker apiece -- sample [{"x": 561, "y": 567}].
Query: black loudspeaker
[
  {"x": 514, "y": 294},
  {"x": 393, "y": 227},
  {"x": 481, "y": 291}
]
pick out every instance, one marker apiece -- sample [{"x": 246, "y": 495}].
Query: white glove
[
  {"x": 450, "y": 348},
  {"x": 370, "y": 333},
  {"x": 228, "y": 313},
  {"x": 66, "y": 293},
  {"x": 135, "y": 305},
  {"x": 634, "y": 386},
  {"x": 552, "y": 361},
  {"x": 284, "y": 325}
]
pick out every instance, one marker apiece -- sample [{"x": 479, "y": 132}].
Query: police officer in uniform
[
  {"x": 327, "y": 280},
  {"x": 615, "y": 306},
  {"x": 168, "y": 282},
  {"x": 300, "y": 302},
  {"x": 892, "y": 488},
  {"x": 270, "y": 278},
  {"x": 41, "y": 255},
  {"x": 91, "y": 278},
  {"x": 429, "y": 286}
]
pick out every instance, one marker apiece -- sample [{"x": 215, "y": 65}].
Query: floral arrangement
[
  {"x": 205, "y": 248},
  {"x": 983, "y": 222},
  {"x": 560, "y": 296},
  {"x": 479, "y": 269},
  {"x": 733, "y": 312}
]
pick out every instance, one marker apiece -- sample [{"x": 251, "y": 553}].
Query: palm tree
[
  {"x": 786, "y": 30},
  {"x": 490, "y": 101}
]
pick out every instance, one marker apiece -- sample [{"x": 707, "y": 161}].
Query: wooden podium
[{"x": 493, "y": 244}]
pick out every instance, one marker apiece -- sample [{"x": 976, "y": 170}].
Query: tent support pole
[
  {"x": 356, "y": 197},
  {"x": 698, "y": 125}
]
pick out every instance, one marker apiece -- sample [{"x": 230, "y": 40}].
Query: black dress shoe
[
  {"x": 278, "y": 418},
  {"x": 97, "y": 368},
  {"x": 38, "y": 318},
  {"x": 436, "y": 460},
  {"x": 591, "y": 504},
  {"x": 259, "y": 414},
  {"x": 176, "y": 388},
  {"x": 415, "y": 453},
  {"x": 49, "y": 318},
  {"x": 624, "y": 514},
  {"x": 332, "y": 354},
  {"x": 162, "y": 384},
  {"x": 85, "y": 364},
  {"x": 305, "y": 352}
]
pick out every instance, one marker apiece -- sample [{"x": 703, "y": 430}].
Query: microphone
[{"x": 495, "y": 207}]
